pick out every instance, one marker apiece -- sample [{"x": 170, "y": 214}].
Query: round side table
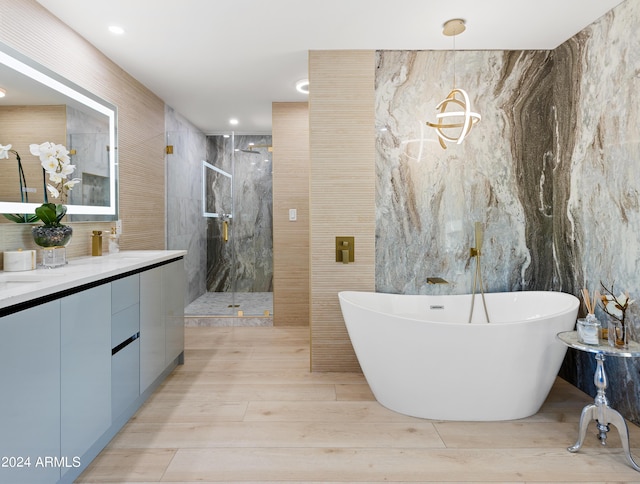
[{"x": 600, "y": 411}]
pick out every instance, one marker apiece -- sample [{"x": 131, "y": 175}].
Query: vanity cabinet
[
  {"x": 78, "y": 357},
  {"x": 30, "y": 402},
  {"x": 85, "y": 365}
]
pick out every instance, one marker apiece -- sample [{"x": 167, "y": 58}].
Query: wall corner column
[{"x": 342, "y": 194}]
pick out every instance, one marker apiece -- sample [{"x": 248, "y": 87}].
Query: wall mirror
[
  {"x": 40, "y": 106},
  {"x": 216, "y": 181}
]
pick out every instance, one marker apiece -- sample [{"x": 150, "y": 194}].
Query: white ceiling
[{"x": 212, "y": 60}]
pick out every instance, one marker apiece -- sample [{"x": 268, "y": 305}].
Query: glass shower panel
[
  {"x": 253, "y": 224},
  {"x": 237, "y": 206},
  {"x": 218, "y": 210}
]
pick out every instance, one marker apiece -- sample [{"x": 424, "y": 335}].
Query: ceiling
[{"x": 212, "y": 60}]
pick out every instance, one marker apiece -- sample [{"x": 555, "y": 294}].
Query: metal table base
[{"x": 600, "y": 411}]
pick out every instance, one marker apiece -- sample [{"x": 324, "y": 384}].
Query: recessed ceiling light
[
  {"x": 233, "y": 121},
  {"x": 303, "y": 86},
  {"x": 3, "y": 93},
  {"x": 114, "y": 29}
]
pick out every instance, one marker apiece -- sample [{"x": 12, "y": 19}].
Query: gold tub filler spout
[{"x": 436, "y": 280}]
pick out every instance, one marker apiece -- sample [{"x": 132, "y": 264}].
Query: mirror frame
[
  {"x": 26, "y": 66},
  {"x": 208, "y": 166}
]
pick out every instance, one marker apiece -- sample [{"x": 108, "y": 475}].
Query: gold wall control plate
[{"x": 345, "y": 244}]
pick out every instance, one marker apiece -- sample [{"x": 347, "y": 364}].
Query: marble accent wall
[
  {"x": 185, "y": 224},
  {"x": 597, "y": 81},
  {"x": 245, "y": 262},
  {"x": 429, "y": 198},
  {"x": 551, "y": 171}
]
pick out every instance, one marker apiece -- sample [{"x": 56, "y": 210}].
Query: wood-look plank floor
[{"x": 245, "y": 408}]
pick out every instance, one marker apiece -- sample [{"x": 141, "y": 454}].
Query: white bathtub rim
[{"x": 572, "y": 303}]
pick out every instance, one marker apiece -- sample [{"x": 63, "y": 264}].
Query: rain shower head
[{"x": 252, "y": 148}]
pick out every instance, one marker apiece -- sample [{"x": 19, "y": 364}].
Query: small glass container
[
  {"x": 54, "y": 257},
  {"x": 589, "y": 330},
  {"x": 114, "y": 241}
]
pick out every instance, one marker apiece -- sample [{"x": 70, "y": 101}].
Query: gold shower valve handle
[
  {"x": 345, "y": 249},
  {"x": 225, "y": 231}
]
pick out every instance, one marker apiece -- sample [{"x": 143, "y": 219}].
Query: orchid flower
[
  {"x": 4, "y": 151},
  {"x": 71, "y": 183},
  {"x": 53, "y": 191}
]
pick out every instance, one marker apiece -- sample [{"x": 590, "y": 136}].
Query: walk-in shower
[{"x": 237, "y": 211}]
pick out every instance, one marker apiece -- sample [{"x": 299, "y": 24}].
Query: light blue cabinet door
[
  {"x": 125, "y": 378},
  {"x": 86, "y": 369},
  {"x": 30, "y": 402},
  {"x": 152, "y": 327},
  {"x": 173, "y": 280}
]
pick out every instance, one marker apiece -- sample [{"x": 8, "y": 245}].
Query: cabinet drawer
[
  {"x": 124, "y": 293},
  {"x": 125, "y": 378},
  {"x": 125, "y": 324}
]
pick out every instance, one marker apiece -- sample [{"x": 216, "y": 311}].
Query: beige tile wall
[
  {"x": 30, "y": 29},
  {"x": 290, "y": 138},
  {"x": 342, "y": 203}
]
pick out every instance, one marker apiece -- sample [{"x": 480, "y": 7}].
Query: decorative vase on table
[{"x": 616, "y": 307}]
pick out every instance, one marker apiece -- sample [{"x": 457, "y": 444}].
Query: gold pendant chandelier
[{"x": 454, "y": 126}]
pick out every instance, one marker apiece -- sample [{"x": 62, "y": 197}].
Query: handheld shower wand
[
  {"x": 477, "y": 252},
  {"x": 479, "y": 236}
]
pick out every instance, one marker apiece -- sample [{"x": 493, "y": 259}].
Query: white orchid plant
[
  {"x": 615, "y": 306},
  {"x": 55, "y": 162}
]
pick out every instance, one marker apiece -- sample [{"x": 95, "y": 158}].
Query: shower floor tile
[{"x": 253, "y": 304}]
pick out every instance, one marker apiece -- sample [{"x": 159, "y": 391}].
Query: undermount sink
[
  {"x": 8, "y": 283},
  {"x": 13, "y": 279},
  {"x": 135, "y": 255},
  {"x": 20, "y": 278}
]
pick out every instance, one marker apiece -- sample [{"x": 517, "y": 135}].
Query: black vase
[{"x": 52, "y": 236}]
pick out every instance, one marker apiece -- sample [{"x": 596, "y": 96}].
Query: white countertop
[{"x": 23, "y": 286}]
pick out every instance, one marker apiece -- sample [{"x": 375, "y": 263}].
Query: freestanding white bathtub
[{"x": 422, "y": 358}]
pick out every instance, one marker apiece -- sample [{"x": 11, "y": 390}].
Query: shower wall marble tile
[
  {"x": 551, "y": 170},
  {"x": 245, "y": 263},
  {"x": 185, "y": 227}
]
